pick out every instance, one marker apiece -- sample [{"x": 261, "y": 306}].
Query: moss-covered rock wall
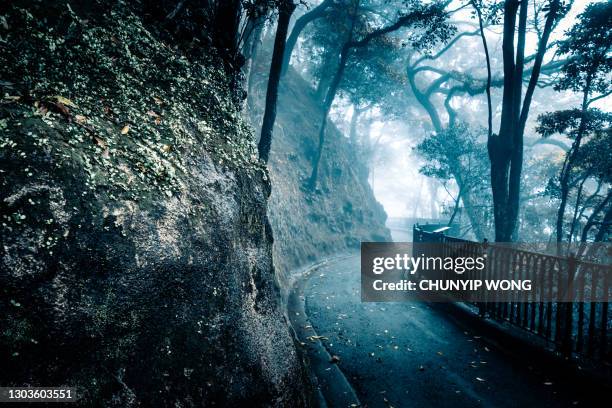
[{"x": 136, "y": 256}]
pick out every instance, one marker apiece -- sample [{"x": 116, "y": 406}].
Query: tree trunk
[
  {"x": 568, "y": 165},
  {"x": 265, "y": 141},
  {"x": 433, "y": 200},
  {"x": 506, "y": 149},
  {"x": 251, "y": 49},
  {"x": 299, "y": 25},
  {"x": 353, "y": 127},
  {"x": 329, "y": 99},
  {"x": 500, "y": 146},
  {"x": 605, "y": 226},
  {"x": 424, "y": 101},
  {"x": 455, "y": 208},
  {"x": 591, "y": 220},
  {"x": 227, "y": 24},
  {"x": 489, "y": 76}
]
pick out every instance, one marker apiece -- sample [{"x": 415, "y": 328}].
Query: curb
[{"x": 333, "y": 387}]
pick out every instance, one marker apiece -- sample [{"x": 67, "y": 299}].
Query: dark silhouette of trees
[
  {"x": 589, "y": 160},
  {"x": 286, "y": 8},
  {"x": 587, "y": 47},
  {"x": 431, "y": 19},
  {"x": 298, "y": 27},
  {"x": 506, "y": 148}
]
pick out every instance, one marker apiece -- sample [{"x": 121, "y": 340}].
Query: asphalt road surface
[{"x": 413, "y": 355}]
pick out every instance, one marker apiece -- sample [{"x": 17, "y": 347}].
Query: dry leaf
[
  {"x": 166, "y": 148},
  {"x": 334, "y": 359},
  {"x": 480, "y": 379},
  {"x": 80, "y": 119},
  {"x": 64, "y": 101},
  {"x": 157, "y": 100},
  {"x": 548, "y": 383},
  {"x": 125, "y": 130},
  {"x": 100, "y": 142},
  {"x": 153, "y": 114},
  {"x": 157, "y": 120}
]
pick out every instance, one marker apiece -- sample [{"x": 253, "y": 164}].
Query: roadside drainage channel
[{"x": 333, "y": 386}]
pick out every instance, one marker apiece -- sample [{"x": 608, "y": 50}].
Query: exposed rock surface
[{"x": 136, "y": 256}]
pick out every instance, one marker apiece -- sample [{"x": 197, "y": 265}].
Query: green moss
[{"x": 76, "y": 93}]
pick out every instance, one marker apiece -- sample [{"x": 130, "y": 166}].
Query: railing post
[
  {"x": 482, "y": 250},
  {"x": 569, "y": 307}
]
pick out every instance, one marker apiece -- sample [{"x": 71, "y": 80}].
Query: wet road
[{"x": 413, "y": 355}]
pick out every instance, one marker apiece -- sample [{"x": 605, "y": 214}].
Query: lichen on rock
[{"x": 136, "y": 254}]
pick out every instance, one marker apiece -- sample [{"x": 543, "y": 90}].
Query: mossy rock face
[{"x": 136, "y": 254}]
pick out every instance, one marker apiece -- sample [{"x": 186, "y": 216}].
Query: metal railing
[{"x": 581, "y": 327}]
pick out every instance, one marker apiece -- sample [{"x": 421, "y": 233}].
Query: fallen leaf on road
[
  {"x": 334, "y": 359},
  {"x": 548, "y": 383},
  {"x": 487, "y": 349},
  {"x": 125, "y": 129},
  {"x": 440, "y": 353},
  {"x": 314, "y": 338},
  {"x": 480, "y": 379}
]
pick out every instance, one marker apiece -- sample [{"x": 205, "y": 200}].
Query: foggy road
[{"x": 412, "y": 355}]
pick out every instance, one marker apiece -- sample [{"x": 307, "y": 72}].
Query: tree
[
  {"x": 506, "y": 148},
  {"x": 286, "y": 8},
  {"x": 431, "y": 19},
  {"x": 449, "y": 84},
  {"x": 300, "y": 24},
  {"x": 456, "y": 154},
  {"x": 584, "y": 161},
  {"x": 429, "y": 80},
  {"x": 587, "y": 71}
]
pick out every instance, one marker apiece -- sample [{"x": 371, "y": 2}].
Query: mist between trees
[{"x": 490, "y": 114}]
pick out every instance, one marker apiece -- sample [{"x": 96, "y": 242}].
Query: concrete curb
[{"x": 333, "y": 387}]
